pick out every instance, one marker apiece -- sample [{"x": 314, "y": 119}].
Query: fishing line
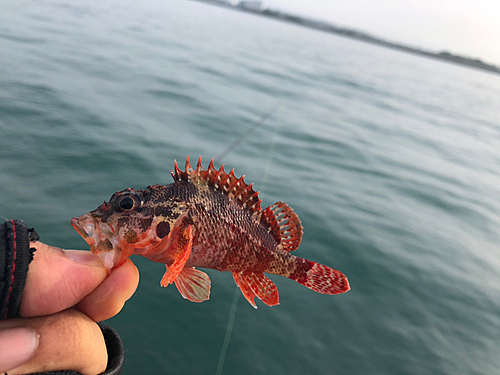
[
  {"x": 232, "y": 146},
  {"x": 236, "y": 295},
  {"x": 229, "y": 330}
]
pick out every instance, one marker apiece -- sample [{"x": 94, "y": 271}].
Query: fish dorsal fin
[
  {"x": 284, "y": 225},
  {"x": 234, "y": 188}
]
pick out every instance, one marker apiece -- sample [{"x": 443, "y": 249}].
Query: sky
[{"x": 469, "y": 28}]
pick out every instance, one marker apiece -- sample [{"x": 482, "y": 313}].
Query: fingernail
[
  {"x": 17, "y": 345},
  {"x": 83, "y": 257}
]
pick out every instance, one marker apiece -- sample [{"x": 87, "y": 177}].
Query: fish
[{"x": 206, "y": 219}]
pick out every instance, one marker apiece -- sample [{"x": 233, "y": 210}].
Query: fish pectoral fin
[
  {"x": 193, "y": 284},
  {"x": 181, "y": 249},
  {"x": 257, "y": 285}
]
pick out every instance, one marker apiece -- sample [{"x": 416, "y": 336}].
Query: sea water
[{"x": 391, "y": 161}]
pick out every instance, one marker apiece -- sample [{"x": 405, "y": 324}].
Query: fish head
[{"x": 118, "y": 227}]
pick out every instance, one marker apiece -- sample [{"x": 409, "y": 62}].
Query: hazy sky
[{"x": 466, "y": 27}]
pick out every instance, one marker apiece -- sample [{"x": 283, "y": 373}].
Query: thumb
[
  {"x": 58, "y": 279},
  {"x": 68, "y": 340}
]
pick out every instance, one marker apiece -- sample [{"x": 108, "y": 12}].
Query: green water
[{"x": 390, "y": 160}]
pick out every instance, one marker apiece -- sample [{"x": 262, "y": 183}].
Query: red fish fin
[
  {"x": 193, "y": 284},
  {"x": 245, "y": 289},
  {"x": 320, "y": 278},
  {"x": 259, "y": 285},
  {"x": 285, "y": 225},
  {"x": 182, "y": 250},
  {"x": 227, "y": 183}
]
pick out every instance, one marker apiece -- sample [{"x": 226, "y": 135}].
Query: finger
[
  {"x": 58, "y": 279},
  {"x": 108, "y": 298},
  {"x": 17, "y": 345},
  {"x": 68, "y": 340}
]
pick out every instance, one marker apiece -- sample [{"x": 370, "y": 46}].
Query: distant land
[{"x": 255, "y": 7}]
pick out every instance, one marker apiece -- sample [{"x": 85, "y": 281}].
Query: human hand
[{"x": 66, "y": 292}]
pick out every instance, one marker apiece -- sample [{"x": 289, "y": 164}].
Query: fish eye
[{"x": 127, "y": 203}]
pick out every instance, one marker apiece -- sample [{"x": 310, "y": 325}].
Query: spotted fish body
[{"x": 209, "y": 219}]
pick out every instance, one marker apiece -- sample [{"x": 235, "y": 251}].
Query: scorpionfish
[{"x": 210, "y": 219}]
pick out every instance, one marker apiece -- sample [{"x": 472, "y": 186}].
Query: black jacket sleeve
[{"x": 15, "y": 257}]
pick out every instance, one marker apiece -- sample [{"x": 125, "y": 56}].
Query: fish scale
[{"x": 207, "y": 219}]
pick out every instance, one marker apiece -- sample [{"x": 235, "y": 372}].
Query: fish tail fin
[{"x": 320, "y": 278}]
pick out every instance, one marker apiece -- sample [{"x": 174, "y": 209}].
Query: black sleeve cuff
[
  {"x": 15, "y": 257},
  {"x": 116, "y": 350}
]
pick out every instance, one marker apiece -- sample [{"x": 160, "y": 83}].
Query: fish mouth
[
  {"x": 110, "y": 259},
  {"x": 89, "y": 229},
  {"x": 87, "y": 233}
]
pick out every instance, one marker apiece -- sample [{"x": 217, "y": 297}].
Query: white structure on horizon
[{"x": 253, "y": 5}]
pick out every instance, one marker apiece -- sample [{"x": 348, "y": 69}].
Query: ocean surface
[{"x": 391, "y": 160}]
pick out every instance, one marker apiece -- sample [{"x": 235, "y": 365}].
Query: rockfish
[{"x": 210, "y": 219}]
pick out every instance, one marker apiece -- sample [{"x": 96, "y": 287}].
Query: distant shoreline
[{"x": 350, "y": 33}]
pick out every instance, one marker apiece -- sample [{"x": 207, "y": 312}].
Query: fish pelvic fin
[
  {"x": 320, "y": 278},
  {"x": 285, "y": 226},
  {"x": 181, "y": 249},
  {"x": 193, "y": 284},
  {"x": 257, "y": 285}
]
